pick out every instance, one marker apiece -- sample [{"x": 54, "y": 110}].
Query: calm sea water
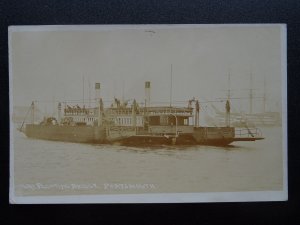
[{"x": 58, "y": 168}]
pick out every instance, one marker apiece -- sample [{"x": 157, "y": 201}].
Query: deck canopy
[{"x": 159, "y": 110}]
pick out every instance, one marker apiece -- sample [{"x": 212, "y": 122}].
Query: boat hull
[
  {"x": 216, "y": 136},
  {"x": 80, "y": 134}
]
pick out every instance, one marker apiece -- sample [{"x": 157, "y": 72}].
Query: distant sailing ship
[
  {"x": 134, "y": 124},
  {"x": 247, "y": 119}
]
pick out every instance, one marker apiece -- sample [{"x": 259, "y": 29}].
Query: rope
[{"x": 30, "y": 108}]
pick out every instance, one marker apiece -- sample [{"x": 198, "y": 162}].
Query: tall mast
[
  {"x": 89, "y": 92},
  {"x": 123, "y": 84},
  {"x": 115, "y": 88},
  {"x": 32, "y": 112},
  {"x": 265, "y": 95},
  {"x": 228, "y": 91},
  {"x": 65, "y": 102},
  {"x": 53, "y": 106},
  {"x": 83, "y": 90},
  {"x": 227, "y": 106},
  {"x": 171, "y": 87},
  {"x": 251, "y": 93}
]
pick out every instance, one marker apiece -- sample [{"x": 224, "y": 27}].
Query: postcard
[{"x": 148, "y": 113}]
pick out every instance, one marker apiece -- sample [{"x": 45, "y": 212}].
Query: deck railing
[{"x": 248, "y": 132}]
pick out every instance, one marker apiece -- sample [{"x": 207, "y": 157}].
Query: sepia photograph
[{"x": 148, "y": 113}]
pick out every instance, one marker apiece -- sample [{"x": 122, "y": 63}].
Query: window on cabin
[
  {"x": 186, "y": 122},
  {"x": 154, "y": 120},
  {"x": 180, "y": 121},
  {"x": 164, "y": 120},
  {"x": 172, "y": 120}
]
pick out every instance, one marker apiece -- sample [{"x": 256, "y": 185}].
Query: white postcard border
[{"x": 256, "y": 196}]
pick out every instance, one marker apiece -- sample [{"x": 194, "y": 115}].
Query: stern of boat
[{"x": 248, "y": 134}]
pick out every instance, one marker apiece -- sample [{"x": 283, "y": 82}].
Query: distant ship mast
[
  {"x": 265, "y": 96},
  {"x": 89, "y": 93},
  {"x": 82, "y": 90},
  {"x": 251, "y": 94},
  {"x": 123, "y": 90},
  {"x": 227, "y": 106}
]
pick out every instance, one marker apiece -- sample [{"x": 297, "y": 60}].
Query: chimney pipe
[
  {"x": 97, "y": 91},
  {"x": 59, "y": 113},
  {"x": 147, "y": 93},
  {"x": 133, "y": 113},
  {"x": 32, "y": 112},
  {"x": 197, "y": 106},
  {"x": 100, "y": 112}
]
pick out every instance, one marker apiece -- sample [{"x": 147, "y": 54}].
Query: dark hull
[
  {"x": 216, "y": 136},
  {"x": 79, "y": 134},
  {"x": 188, "y": 140},
  {"x": 146, "y": 140}
]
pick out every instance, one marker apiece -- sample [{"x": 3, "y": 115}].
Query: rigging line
[
  {"x": 242, "y": 98},
  {"x": 30, "y": 108},
  {"x": 112, "y": 100},
  {"x": 83, "y": 90},
  {"x": 171, "y": 87}
]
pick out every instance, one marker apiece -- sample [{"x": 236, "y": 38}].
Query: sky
[{"x": 54, "y": 63}]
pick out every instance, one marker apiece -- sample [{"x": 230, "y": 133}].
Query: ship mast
[
  {"x": 171, "y": 86},
  {"x": 265, "y": 96},
  {"x": 228, "y": 91},
  {"x": 251, "y": 93},
  {"x": 82, "y": 90},
  {"x": 53, "y": 106},
  {"x": 123, "y": 87},
  {"x": 227, "y": 106},
  {"x": 32, "y": 112},
  {"x": 89, "y": 93}
]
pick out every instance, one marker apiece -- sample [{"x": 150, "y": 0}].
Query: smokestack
[
  {"x": 32, "y": 112},
  {"x": 147, "y": 93},
  {"x": 100, "y": 112},
  {"x": 59, "y": 113},
  {"x": 134, "y": 113},
  {"x": 227, "y": 107},
  {"x": 97, "y": 91}
]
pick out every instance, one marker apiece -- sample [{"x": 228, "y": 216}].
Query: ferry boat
[{"x": 132, "y": 124}]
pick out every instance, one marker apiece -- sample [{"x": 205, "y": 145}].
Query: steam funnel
[
  {"x": 147, "y": 93},
  {"x": 97, "y": 91}
]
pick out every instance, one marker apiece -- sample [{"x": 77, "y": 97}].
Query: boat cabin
[{"x": 169, "y": 120}]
